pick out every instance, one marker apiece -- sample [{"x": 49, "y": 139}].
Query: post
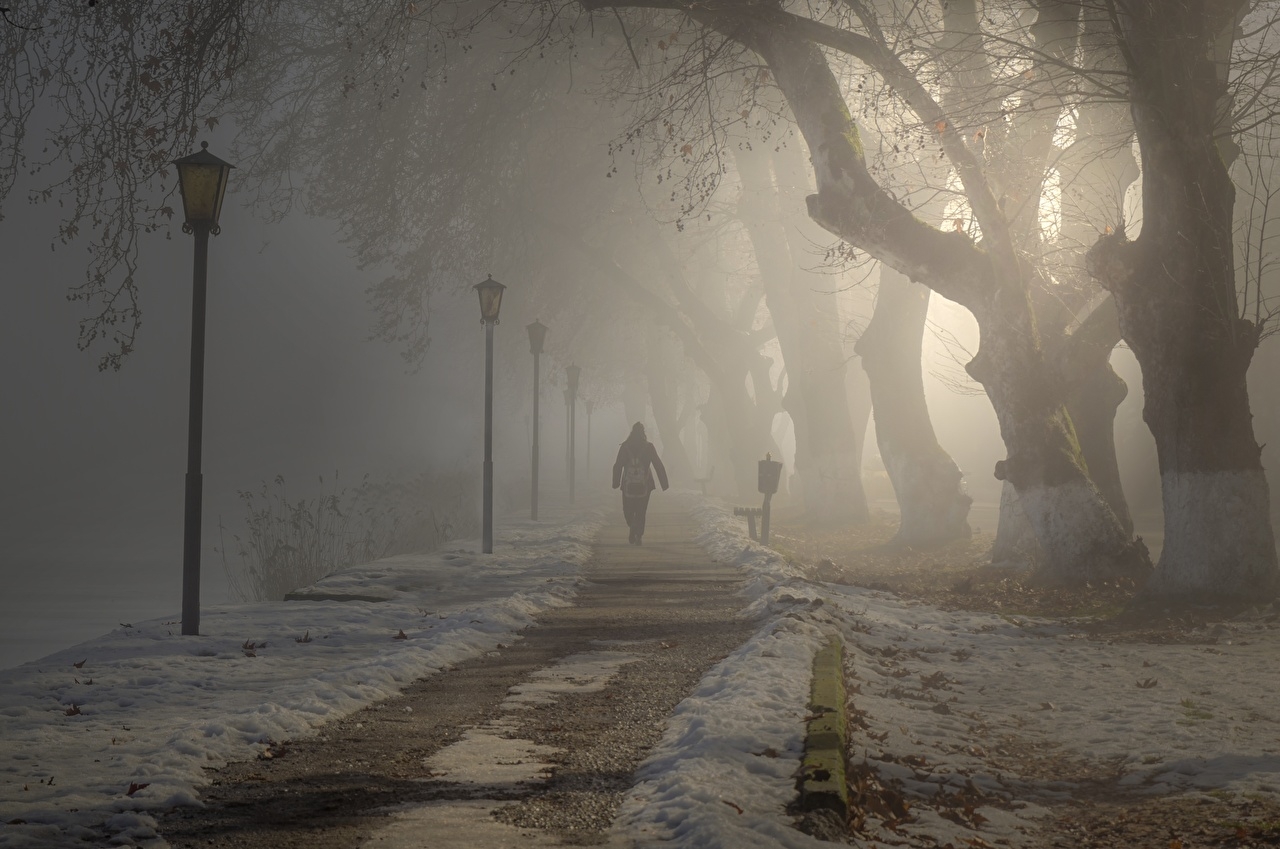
[
  {"x": 488, "y": 439},
  {"x": 764, "y": 520},
  {"x": 533, "y": 501},
  {"x": 590, "y": 405},
  {"x": 573, "y": 426},
  {"x": 195, "y": 439}
]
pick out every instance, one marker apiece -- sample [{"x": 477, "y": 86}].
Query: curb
[{"x": 822, "y": 772}]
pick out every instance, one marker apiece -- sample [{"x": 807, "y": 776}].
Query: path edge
[{"x": 821, "y": 781}]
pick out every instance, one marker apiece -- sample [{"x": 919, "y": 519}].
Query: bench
[{"x": 750, "y": 513}]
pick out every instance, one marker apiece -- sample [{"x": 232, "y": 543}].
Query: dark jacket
[{"x": 648, "y": 456}]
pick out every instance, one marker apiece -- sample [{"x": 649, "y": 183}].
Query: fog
[
  {"x": 666, "y": 221},
  {"x": 93, "y": 485},
  {"x": 92, "y": 498}
]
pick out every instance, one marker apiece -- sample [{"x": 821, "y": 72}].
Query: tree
[
  {"x": 1081, "y": 536},
  {"x": 117, "y": 91},
  {"x": 1176, "y": 294},
  {"x": 828, "y": 450},
  {"x": 933, "y": 505}
]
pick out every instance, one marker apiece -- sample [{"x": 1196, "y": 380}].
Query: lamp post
[
  {"x": 537, "y": 334},
  {"x": 568, "y": 453},
  {"x": 572, "y": 373},
  {"x": 490, "y": 292},
  {"x": 202, "y": 180},
  {"x": 590, "y": 407}
]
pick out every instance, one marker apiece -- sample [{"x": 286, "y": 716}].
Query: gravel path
[{"x": 533, "y": 745}]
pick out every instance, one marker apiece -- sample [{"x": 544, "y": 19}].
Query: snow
[
  {"x": 938, "y": 698},
  {"x": 149, "y": 709}
]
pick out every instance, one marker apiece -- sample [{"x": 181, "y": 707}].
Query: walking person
[{"x": 633, "y": 474}]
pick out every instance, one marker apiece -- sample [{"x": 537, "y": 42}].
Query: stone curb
[{"x": 822, "y": 771}]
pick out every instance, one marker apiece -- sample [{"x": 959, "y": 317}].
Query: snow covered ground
[
  {"x": 116, "y": 727},
  {"x": 938, "y": 700}
]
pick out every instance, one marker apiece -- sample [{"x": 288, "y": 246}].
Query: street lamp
[
  {"x": 590, "y": 408},
  {"x": 537, "y": 334},
  {"x": 572, "y": 372},
  {"x": 490, "y": 292},
  {"x": 202, "y": 180},
  {"x": 568, "y": 453}
]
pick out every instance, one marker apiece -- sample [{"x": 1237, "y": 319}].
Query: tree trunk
[
  {"x": 662, "y": 399},
  {"x": 931, "y": 498},
  {"x": 858, "y": 392},
  {"x": 807, "y": 325},
  {"x": 1081, "y": 537},
  {"x": 738, "y": 433},
  {"x": 1093, "y": 403},
  {"x": 1175, "y": 291},
  {"x": 1015, "y": 543}
]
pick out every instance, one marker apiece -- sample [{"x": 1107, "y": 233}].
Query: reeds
[{"x": 288, "y": 544}]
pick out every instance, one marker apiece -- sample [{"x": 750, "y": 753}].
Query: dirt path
[{"x": 533, "y": 745}]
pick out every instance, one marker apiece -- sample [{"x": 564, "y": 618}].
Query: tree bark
[
  {"x": 1080, "y": 535},
  {"x": 1094, "y": 393},
  {"x": 931, "y": 498},
  {"x": 1175, "y": 291},
  {"x": 1015, "y": 543},
  {"x": 807, "y": 325}
]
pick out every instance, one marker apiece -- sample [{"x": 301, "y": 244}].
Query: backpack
[{"x": 635, "y": 480}]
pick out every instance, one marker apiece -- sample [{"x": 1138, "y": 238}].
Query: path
[{"x": 533, "y": 745}]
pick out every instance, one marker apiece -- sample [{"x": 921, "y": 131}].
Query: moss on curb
[{"x": 822, "y": 772}]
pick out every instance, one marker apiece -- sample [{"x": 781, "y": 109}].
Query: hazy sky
[
  {"x": 93, "y": 461},
  {"x": 91, "y": 499}
]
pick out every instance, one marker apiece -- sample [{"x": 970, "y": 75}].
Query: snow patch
[{"x": 97, "y": 735}]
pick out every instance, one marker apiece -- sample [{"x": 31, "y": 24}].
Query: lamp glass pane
[
  {"x": 201, "y": 192},
  {"x": 537, "y": 335},
  {"x": 490, "y": 300}
]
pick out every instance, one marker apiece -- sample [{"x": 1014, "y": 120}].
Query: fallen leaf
[
  {"x": 401, "y": 635},
  {"x": 74, "y": 710},
  {"x": 135, "y": 787},
  {"x": 730, "y": 804},
  {"x": 80, "y": 664}
]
